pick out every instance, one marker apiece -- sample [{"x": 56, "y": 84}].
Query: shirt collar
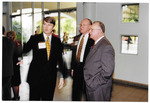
[
  {"x": 86, "y": 35},
  {"x": 45, "y": 36},
  {"x": 98, "y": 39}
]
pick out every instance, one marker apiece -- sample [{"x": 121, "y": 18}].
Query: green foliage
[
  {"x": 67, "y": 25},
  {"x": 17, "y": 29},
  {"x": 131, "y": 19}
]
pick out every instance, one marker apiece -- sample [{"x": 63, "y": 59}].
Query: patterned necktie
[
  {"x": 48, "y": 48},
  {"x": 80, "y": 49}
]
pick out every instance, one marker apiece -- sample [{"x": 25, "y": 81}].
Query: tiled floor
[
  {"x": 120, "y": 92},
  {"x": 129, "y": 93}
]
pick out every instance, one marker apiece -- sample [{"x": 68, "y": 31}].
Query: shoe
[{"x": 16, "y": 99}]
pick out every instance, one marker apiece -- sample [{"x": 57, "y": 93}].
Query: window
[
  {"x": 16, "y": 26},
  {"x": 26, "y": 21},
  {"x": 30, "y": 16},
  {"x": 37, "y": 17},
  {"x": 68, "y": 26},
  {"x": 129, "y": 44},
  {"x": 130, "y": 13}
]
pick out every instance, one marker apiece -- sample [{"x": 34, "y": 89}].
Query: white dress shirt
[
  {"x": 83, "y": 47},
  {"x": 45, "y": 37}
]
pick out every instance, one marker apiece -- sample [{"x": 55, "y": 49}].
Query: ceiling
[{"x": 47, "y": 5}]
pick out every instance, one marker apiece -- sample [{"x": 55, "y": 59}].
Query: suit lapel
[
  {"x": 43, "y": 51},
  {"x": 41, "y": 38},
  {"x": 75, "y": 43},
  {"x": 52, "y": 46},
  {"x": 93, "y": 50},
  {"x": 90, "y": 42}
]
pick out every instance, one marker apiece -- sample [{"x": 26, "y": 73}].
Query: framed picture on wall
[{"x": 129, "y": 44}]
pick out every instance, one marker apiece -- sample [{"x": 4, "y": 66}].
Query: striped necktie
[
  {"x": 80, "y": 49},
  {"x": 48, "y": 48}
]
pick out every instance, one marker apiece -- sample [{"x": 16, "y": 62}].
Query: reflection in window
[
  {"x": 129, "y": 44},
  {"x": 130, "y": 13}
]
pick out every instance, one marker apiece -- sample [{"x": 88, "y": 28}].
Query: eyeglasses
[{"x": 94, "y": 29}]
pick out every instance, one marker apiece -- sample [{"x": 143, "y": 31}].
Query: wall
[{"x": 132, "y": 68}]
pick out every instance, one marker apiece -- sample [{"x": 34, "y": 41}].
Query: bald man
[
  {"x": 99, "y": 65},
  {"x": 82, "y": 44}
]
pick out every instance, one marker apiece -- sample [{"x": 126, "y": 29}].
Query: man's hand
[
  {"x": 61, "y": 83},
  {"x": 20, "y": 62}
]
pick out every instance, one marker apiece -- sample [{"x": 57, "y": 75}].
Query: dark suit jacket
[
  {"x": 9, "y": 50},
  {"x": 98, "y": 70},
  {"x": 74, "y": 62},
  {"x": 40, "y": 68}
]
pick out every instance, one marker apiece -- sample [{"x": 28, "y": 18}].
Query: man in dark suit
[
  {"x": 99, "y": 65},
  {"x": 47, "y": 53},
  {"x": 9, "y": 50},
  {"x": 79, "y": 55}
]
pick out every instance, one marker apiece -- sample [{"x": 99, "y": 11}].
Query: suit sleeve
[
  {"x": 73, "y": 58},
  {"x": 60, "y": 60},
  {"x": 107, "y": 65},
  {"x": 29, "y": 45}
]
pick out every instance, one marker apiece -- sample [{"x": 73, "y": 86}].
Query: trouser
[
  {"x": 41, "y": 92},
  {"x": 78, "y": 88},
  {"x": 6, "y": 88}
]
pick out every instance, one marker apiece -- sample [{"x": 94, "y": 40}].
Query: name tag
[{"x": 41, "y": 45}]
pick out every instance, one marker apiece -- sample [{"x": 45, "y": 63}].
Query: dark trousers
[
  {"x": 43, "y": 92},
  {"x": 6, "y": 88},
  {"x": 78, "y": 84}
]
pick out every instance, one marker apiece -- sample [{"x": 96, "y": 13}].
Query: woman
[{"x": 15, "y": 82}]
